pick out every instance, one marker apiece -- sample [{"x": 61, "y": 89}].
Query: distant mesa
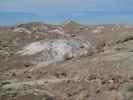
[
  {"x": 35, "y": 26},
  {"x": 43, "y": 27},
  {"x": 71, "y": 24}
]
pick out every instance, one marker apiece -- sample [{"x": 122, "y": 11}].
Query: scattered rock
[{"x": 77, "y": 62}]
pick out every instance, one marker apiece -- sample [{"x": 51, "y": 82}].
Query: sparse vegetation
[
  {"x": 130, "y": 88},
  {"x": 90, "y": 62}
]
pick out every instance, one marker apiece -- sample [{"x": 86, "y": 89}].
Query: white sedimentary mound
[
  {"x": 59, "y": 30},
  {"x": 55, "y": 50},
  {"x": 21, "y": 30},
  {"x": 98, "y": 29}
]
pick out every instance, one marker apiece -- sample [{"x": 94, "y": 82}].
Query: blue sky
[
  {"x": 65, "y": 6},
  {"x": 58, "y": 8}
]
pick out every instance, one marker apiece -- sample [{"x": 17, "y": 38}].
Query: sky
[{"x": 71, "y": 8}]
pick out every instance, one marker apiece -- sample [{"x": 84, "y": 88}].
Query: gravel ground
[{"x": 66, "y": 62}]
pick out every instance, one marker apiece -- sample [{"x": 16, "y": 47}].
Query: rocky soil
[{"x": 66, "y": 62}]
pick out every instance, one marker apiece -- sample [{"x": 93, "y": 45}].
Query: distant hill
[{"x": 69, "y": 25}]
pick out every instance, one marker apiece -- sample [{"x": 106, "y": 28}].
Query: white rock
[
  {"x": 58, "y": 31},
  {"x": 100, "y": 27},
  {"x": 21, "y": 30},
  {"x": 55, "y": 50}
]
